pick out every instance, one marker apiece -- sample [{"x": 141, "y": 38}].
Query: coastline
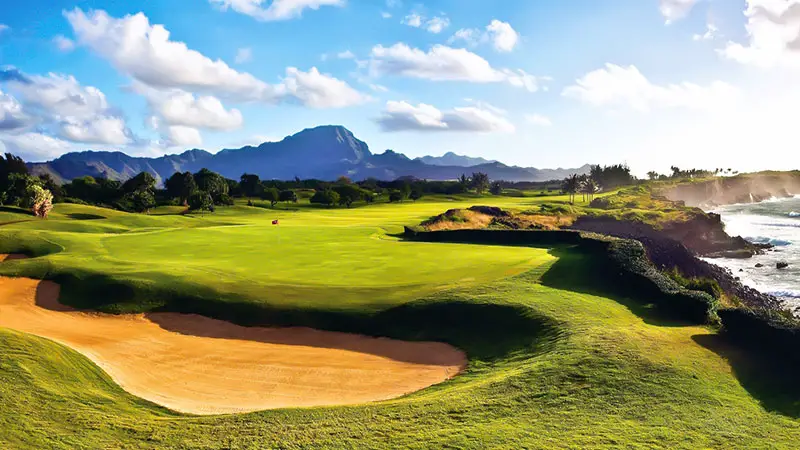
[{"x": 773, "y": 223}]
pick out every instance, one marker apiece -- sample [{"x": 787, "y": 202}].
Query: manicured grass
[{"x": 557, "y": 360}]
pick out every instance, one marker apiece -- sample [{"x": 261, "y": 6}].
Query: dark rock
[
  {"x": 490, "y": 211},
  {"x": 782, "y": 265},
  {"x": 759, "y": 265}
]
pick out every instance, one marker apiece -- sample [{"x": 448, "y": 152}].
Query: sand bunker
[{"x": 198, "y": 365}]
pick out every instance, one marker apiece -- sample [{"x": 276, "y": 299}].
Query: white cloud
[
  {"x": 394, "y": 3},
  {"x": 627, "y": 87},
  {"x": 178, "y": 136},
  {"x": 347, "y": 54},
  {"x": 710, "y": 34},
  {"x": 773, "y": 28},
  {"x": 277, "y": 9},
  {"x": 35, "y": 146},
  {"x": 403, "y": 116},
  {"x": 437, "y": 24},
  {"x": 503, "y": 36},
  {"x": 243, "y": 55},
  {"x": 97, "y": 130},
  {"x": 538, "y": 120},
  {"x": 442, "y": 63},
  {"x": 673, "y": 10},
  {"x": 4, "y": 27},
  {"x": 79, "y": 113},
  {"x": 12, "y": 116},
  {"x": 64, "y": 44},
  {"x": 413, "y": 20},
  {"x": 178, "y": 107},
  {"x": 434, "y": 25},
  {"x": 317, "y": 90},
  {"x": 378, "y": 87},
  {"x": 386, "y": 15},
  {"x": 146, "y": 53}
]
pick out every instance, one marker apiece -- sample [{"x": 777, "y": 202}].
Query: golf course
[{"x": 376, "y": 341}]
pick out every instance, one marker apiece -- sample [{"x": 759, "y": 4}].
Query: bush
[
  {"x": 200, "y": 201},
  {"x": 600, "y": 203}
]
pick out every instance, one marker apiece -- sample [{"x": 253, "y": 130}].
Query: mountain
[
  {"x": 452, "y": 159},
  {"x": 325, "y": 152}
]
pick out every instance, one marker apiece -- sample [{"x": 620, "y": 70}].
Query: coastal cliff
[{"x": 747, "y": 188}]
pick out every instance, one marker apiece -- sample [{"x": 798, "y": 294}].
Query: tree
[
  {"x": 141, "y": 201},
  {"x": 348, "y": 194},
  {"x": 589, "y": 187},
  {"x": 480, "y": 182},
  {"x": 39, "y": 200},
  {"x": 395, "y": 196},
  {"x": 496, "y": 188},
  {"x": 10, "y": 165},
  {"x": 181, "y": 186},
  {"x": 571, "y": 186},
  {"x": 344, "y": 180},
  {"x": 325, "y": 197},
  {"x": 212, "y": 183},
  {"x": 270, "y": 195},
  {"x": 201, "y": 201},
  {"x": 18, "y": 185},
  {"x": 47, "y": 182},
  {"x": 416, "y": 193},
  {"x": 464, "y": 181},
  {"x": 140, "y": 183},
  {"x": 250, "y": 185},
  {"x": 652, "y": 175},
  {"x": 288, "y": 195}
]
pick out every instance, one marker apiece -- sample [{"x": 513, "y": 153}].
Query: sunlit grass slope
[{"x": 558, "y": 359}]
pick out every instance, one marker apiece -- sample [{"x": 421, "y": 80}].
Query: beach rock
[
  {"x": 759, "y": 265},
  {"x": 782, "y": 265}
]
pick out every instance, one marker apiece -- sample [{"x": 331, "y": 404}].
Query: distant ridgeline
[{"x": 323, "y": 153}]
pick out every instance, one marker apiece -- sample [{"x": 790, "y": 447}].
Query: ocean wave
[
  {"x": 794, "y": 214},
  {"x": 768, "y": 240},
  {"x": 788, "y": 293}
]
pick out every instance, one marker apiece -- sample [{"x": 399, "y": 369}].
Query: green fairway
[{"x": 556, "y": 359}]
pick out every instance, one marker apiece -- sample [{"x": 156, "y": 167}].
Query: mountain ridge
[{"x": 324, "y": 152}]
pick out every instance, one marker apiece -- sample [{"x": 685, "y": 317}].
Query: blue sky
[{"x": 529, "y": 82}]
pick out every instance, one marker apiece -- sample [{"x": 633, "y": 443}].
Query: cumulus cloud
[
  {"x": 317, "y": 90},
  {"x": 673, "y": 10},
  {"x": 403, "y": 116},
  {"x": 244, "y": 55},
  {"x": 413, "y": 20},
  {"x": 12, "y": 116},
  {"x": 63, "y": 43},
  {"x": 538, "y": 120},
  {"x": 617, "y": 86},
  {"x": 74, "y": 112},
  {"x": 178, "y": 107},
  {"x": 97, "y": 130},
  {"x": 146, "y": 53},
  {"x": 347, "y": 54},
  {"x": 709, "y": 35},
  {"x": 35, "y": 146},
  {"x": 178, "y": 136},
  {"x": 277, "y": 9},
  {"x": 442, "y": 63},
  {"x": 501, "y": 34},
  {"x": 773, "y": 28},
  {"x": 434, "y": 25},
  {"x": 386, "y": 15}
]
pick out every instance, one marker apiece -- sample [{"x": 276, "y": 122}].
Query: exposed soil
[{"x": 198, "y": 365}]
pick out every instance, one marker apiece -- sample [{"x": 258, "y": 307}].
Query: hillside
[{"x": 325, "y": 152}]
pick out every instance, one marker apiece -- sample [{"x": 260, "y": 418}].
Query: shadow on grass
[
  {"x": 16, "y": 210},
  {"x": 769, "y": 378},
  {"x": 84, "y": 216},
  {"x": 587, "y": 273},
  {"x": 485, "y": 331}
]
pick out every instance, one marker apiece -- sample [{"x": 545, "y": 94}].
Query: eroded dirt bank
[{"x": 198, "y": 365}]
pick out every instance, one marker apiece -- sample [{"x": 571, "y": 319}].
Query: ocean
[{"x": 776, "y": 222}]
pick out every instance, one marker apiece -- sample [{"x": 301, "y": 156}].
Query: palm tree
[
  {"x": 589, "y": 187},
  {"x": 571, "y": 186}
]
